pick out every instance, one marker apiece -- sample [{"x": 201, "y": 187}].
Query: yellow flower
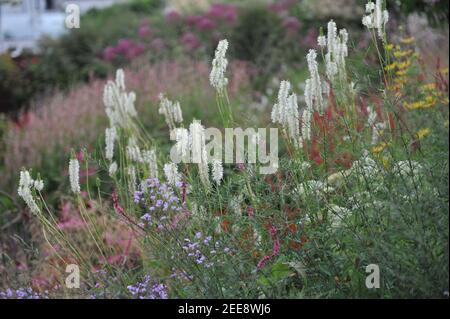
[
  {"x": 429, "y": 87},
  {"x": 379, "y": 148},
  {"x": 444, "y": 71},
  {"x": 390, "y": 66},
  {"x": 389, "y": 47},
  {"x": 401, "y": 73},
  {"x": 400, "y": 54},
  {"x": 422, "y": 133},
  {"x": 408, "y": 40},
  {"x": 404, "y": 65}
]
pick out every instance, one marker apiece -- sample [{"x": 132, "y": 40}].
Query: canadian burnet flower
[
  {"x": 26, "y": 183},
  {"x": 198, "y": 150},
  {"x": 217, "y": 171},
  {"x": 110, "y": 137},
  {"x": 219, "y": 65},
  {"x": 149, "y": 157},
  {"x": 313, "y": 88},
  {"x": 181, "y": 136},
  {"x": 376, "y": 17},
  {"x": 133, "y": 150},
  {"x": 112, "y": 169},
  {"x": 306, "y": 125},
  {"x": 337, "y": 51},
  {"x": 171, "y": 111},
  {"x": 74, "y": 175},
  {"x": 279, "y": 109},
  {"x": 322, "y": 41},
  {"x": 119, "y": 105},
  {"x": 173, "y": 177}
]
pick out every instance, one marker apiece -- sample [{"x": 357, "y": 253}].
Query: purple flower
[
  {"x": 190, "y": 41},
  {"x": 109, "y": 53},
  {"x": 173, "y": 16},
  {"x": 206, "y": 24},
  {"x": 157, "y": 44},
  {"x": 144, "y": 31}
]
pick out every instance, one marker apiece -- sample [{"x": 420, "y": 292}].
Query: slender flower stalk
[
  {"x": 74, "y": 175},
  {"x": 376, "y": 17},
  {"x": 219, "y": 66},
  {"x": 217, "y": 171},
  {"x": 171, "y": 111},
  {"x": 172, "y": 175},
  {"x": 110, "y": 137},
  {"x": 26, "y": 183}
]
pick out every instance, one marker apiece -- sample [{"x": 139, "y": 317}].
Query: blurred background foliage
[{"x": 265, "y": 32}]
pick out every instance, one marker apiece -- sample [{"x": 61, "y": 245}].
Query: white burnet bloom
[
  {"x": 74, "y": 175},
  {"x": 173, "y": 177},
  {"x": 181, "y": 136},
  {"x": 337, "y": 51},
  {"x": 131, "y": 171},
  {"x": 197, "y": 141},
  {"x": 26, "y": 183},
  {"x": 292, "y": 118},
  {"x": 119, "y": 105},
  {"x": 279, "y": 109},
  {"x": 219, "y": 66},
  {"x": 133, "y": 150},
  {"x": 110, "y": 137},
  {"x": 171, "y": 111},
  {"x": 313, "y": 88},
  {"x": 149, "y": 158},
  {"x": 376, "y": 17},
  {"x": 306, "y": 125},
  {"x": 217, "y": 171},
  {"x": 322, "y": 41},
  {"x": 112, "y": 169},
  {"x": 285, "y": 112}
]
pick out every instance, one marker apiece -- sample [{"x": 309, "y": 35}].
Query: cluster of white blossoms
[
  {"x": 337, "y": 51},
  {"x": 219, "y": 66},
  {"x": 376, "y": 17},
  {"x": 26, "y": 184},
  {"x": 171, "y": 111},
  {"x": 74, "y": 175},
  {"x": 110, "y": 137},
  {"x": 119, "y": 105},
  {"x": 197, "y": 140},
  {"x": 191, "y": 148},
  {"x": 285, "y": 112},
  {"x": 217, "y": 171},
  {"x": 313, "y": 85},
  {"x": 173, "y": 177}
]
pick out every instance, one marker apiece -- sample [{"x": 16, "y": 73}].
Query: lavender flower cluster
[
  {"x": 148, "y": 289},
  {"x": 201, "y": 244},
  {"x": 157, "y": 200},
  {"x": 23, "y": 293}
]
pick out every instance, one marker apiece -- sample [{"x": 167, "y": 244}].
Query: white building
[{"x": 23, "y": 22}]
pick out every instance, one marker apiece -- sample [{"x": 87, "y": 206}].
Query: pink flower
[
  {"x": 193, "y": 20},
  {"x": 190, "y": 41},
  {"x": 144, "y": 31},
  {"x": 225, "y": 12},
  {"x": 109, "y": 53},
  {"x": 291, "y": 24},
  {"x": 173, "y": 16},
  {"x": 262, "y": 263},
  {"x": 206, "y": 24},
  {"x": 282, "y": 6},
  {"x": 157, "y": 44}
]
